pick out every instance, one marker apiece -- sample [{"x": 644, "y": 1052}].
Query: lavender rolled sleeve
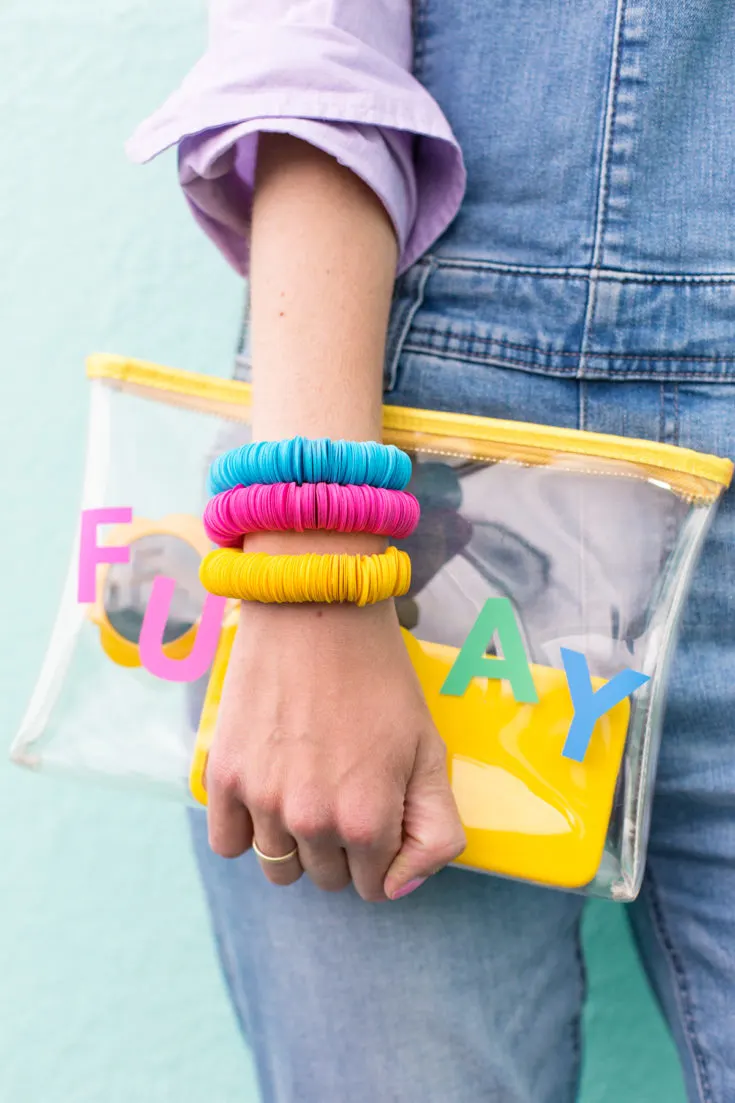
[{"x": 335, "y": 73}]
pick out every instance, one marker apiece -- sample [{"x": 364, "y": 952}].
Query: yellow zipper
[{"x": 692, "y": 474}]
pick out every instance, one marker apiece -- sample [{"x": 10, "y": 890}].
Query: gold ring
[{"x": 267, "y": 858}]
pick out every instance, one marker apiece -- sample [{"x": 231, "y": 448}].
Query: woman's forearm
[
  {"x": 322, "y": 269},
  {"x": 323, "y": 263}
]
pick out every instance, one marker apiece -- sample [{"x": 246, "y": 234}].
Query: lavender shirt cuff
[{"x": 345, "y": 89}]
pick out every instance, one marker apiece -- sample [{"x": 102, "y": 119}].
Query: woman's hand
[{"x": 325, "y": 742}]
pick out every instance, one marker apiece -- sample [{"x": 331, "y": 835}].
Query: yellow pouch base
[{"x": 529, "y": 813}]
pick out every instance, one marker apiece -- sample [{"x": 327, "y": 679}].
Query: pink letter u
[{"x": 200, "y": 658}]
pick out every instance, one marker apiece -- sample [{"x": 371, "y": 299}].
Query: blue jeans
[{"x": 471, "y": 989}]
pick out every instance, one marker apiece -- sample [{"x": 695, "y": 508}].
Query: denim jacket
[
  {"x": 596, "y": 238},
  {"x": 597, "y": 234}
]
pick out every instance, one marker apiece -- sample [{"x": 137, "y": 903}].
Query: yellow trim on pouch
[
  {"x": 431, "y": 430},
  {"x": 528, "y": 811}
]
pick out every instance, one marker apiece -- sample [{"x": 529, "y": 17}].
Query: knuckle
[
  {"x": 362, "y": 828},
  {"x": 309, "y": 821},
  {"x": 264, "y": 801},
  {"x": 222, "y": 777},
  {"x": 360, "y": 834}
]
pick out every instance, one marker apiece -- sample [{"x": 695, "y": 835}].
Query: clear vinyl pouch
[{"x": 549, "y": 571}]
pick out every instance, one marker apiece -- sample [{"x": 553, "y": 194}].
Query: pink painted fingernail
[{"x": 410, "y": 886}]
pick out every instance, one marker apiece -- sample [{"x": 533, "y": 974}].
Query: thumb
[{"x": 433, "y": 834}]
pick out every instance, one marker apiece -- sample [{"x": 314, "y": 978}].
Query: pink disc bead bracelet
[{"x": 281, "y": 507}]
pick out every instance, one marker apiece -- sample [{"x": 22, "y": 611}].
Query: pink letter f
[{"x": 90, "y": 553}]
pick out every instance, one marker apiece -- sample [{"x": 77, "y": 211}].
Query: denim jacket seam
[
  {"x": 604, "y": 172},
  {"x": 669, "y": 424},
  {"x": 496, "y": 361},
  {"x": 677, "y": 418},
  {"x": 443, "y": 337},
  {"x": 658, "y": 375},
  {"x": 606, "y": 188},
  {"x": 568, "y": 372},
  {"x": 582, "y": 273},
  {"x": 681, "y": 986},
  {"x": 408, "y": 298}
]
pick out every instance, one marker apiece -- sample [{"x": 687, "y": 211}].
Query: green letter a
[{"x": 496, "y": 615}]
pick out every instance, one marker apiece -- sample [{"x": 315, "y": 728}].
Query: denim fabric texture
[
  {"x": 588, "y": 282},
  {"x": 597, "y": 234}
]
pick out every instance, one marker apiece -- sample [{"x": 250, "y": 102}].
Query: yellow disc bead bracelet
[{"x": 257, "y": 576}]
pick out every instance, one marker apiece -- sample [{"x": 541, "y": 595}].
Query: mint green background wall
[{"x": 110, "y": 990}]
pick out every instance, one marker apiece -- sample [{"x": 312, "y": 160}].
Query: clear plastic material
[{"x": 571, "y": 552}]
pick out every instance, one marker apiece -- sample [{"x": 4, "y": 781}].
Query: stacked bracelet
[
  {"x": 281, "y": 507},
  {"x": 300, "y": 484},
  {"x": 360, "y": 579}
]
